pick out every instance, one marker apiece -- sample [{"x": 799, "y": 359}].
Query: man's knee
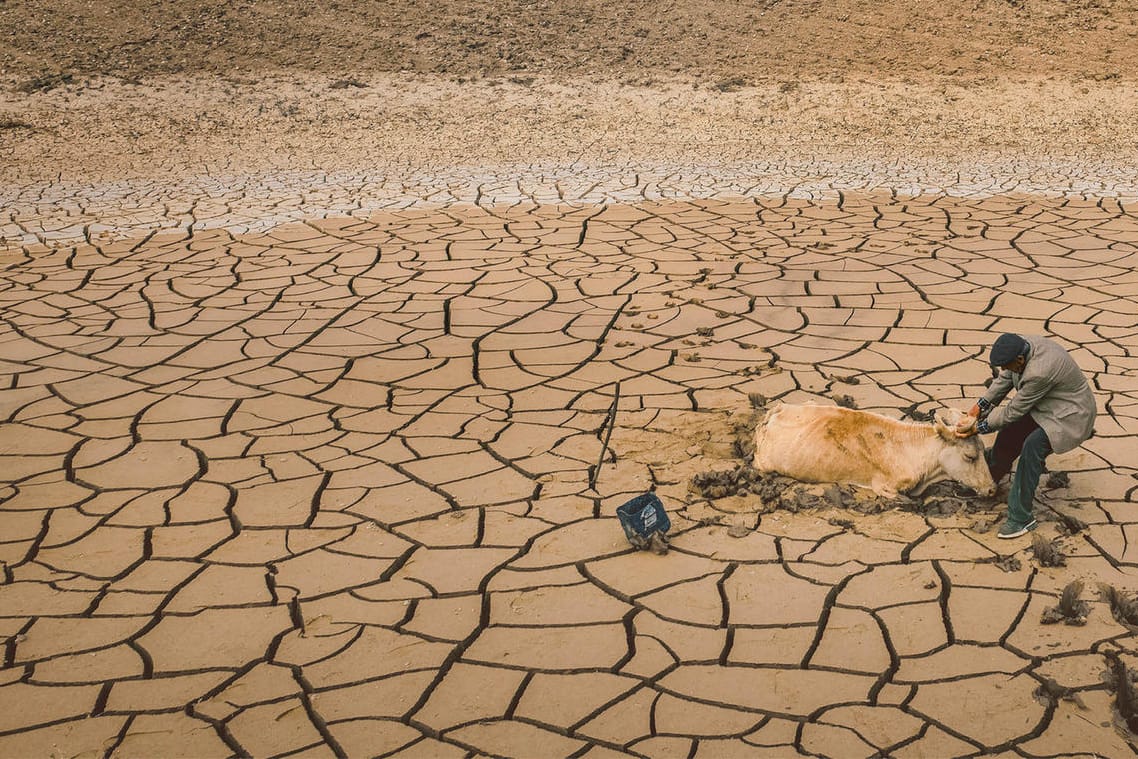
[{"x": 1037, "y": 445}]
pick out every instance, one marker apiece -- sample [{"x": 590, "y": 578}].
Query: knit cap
[{"x": 1006, "y": 349}]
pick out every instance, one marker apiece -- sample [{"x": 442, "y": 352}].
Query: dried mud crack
[
  {"x": 311, "y": 320},
  {"x": 334, "y": 477}
]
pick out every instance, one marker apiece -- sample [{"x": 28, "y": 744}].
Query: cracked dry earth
[{"x": 322, "y": 488}]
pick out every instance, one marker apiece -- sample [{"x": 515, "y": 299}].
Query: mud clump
[
  {"x": 1047, "y": 552},
  {"x": 946, "y": 499},
  {"x": 848, "y": 379},
  {"x": 1067, "y": 524},
  {"x": 774, "y": 491},
  {"x": 1120, "y": 680},
  {"x": 741, "y": 481},
  {"x": 1123, "y": 606},
  {"x": 1050, "y": 692},
  {"x": 778, "y": 492},
  {"x": 1009, "y": 563},
  {"x": 985, "y": 523},
  {"x": 738, "y": 531},
  {"x": 1071, "y": 610},
  {"x": 1056, "y": 480}
]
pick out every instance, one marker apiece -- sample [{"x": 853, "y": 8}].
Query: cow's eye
[{"x": 970, "y": 457}]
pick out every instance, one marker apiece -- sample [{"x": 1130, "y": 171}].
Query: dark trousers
[{"x": 1025, "y": 440}]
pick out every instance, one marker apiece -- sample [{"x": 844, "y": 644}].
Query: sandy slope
[
  {"x": 641, "y": 39},
  {"x": 103, "y": 92},
  {"x": 107, "y": 129}
]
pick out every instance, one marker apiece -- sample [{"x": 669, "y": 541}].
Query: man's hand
[{"x": 966, "y": 427}]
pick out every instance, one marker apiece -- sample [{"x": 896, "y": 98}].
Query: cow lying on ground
[{"x": 833, "y": 444}]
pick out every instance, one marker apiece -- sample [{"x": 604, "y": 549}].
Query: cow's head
[{"x": 962, "y": 458}]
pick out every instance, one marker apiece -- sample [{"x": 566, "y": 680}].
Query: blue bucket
[{"x": 643, "y": 518}]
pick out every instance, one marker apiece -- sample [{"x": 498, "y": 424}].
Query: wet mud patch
[{"x": 774, "y": 492}]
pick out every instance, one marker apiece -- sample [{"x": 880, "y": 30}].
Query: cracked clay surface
[{"x": 322, "y": 488}]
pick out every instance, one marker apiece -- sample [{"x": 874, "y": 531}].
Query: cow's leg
[{"x": 883, "y": 487}]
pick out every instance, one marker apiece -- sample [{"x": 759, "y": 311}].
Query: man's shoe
[{"x": 1012, "y": 529}]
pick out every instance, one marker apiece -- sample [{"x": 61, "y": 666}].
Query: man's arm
[
  {"x": 998, "y": 390},
  {"x": 1030, "y": 392}
]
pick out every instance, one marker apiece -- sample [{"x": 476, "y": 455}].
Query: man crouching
[{"x": 1053, "y": 410}]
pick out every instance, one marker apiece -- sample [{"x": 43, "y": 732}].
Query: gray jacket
[{"x": 1052, "y": 390}]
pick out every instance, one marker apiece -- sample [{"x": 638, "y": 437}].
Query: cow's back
[{"x": 832, "y": 444}]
